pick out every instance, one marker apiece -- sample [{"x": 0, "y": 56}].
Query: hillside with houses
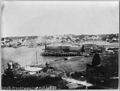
[{"x": 68, "y": 38}]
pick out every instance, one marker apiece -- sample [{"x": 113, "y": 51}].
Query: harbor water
[{"x": 25, "y": 56}]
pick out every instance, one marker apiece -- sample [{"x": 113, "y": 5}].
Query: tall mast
[
  {"x": 45, "y": 46},
  {"x": 36, "y": 58}
]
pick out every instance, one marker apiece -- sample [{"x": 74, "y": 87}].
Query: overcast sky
[{"x": 26, "y": 18}]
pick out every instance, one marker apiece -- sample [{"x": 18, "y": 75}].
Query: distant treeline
[
  {"x": 16, "y": 37},
  {"x": 67, "y": 36}
]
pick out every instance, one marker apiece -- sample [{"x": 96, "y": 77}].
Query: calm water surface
[{"x": 25, "y": 56}]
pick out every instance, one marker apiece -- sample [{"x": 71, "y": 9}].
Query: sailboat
[{"x": 33, "y": 69}]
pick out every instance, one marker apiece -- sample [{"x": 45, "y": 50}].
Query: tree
[
  {"x": 96, "y": 59},
  {"x": 82, "y": 49}
]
